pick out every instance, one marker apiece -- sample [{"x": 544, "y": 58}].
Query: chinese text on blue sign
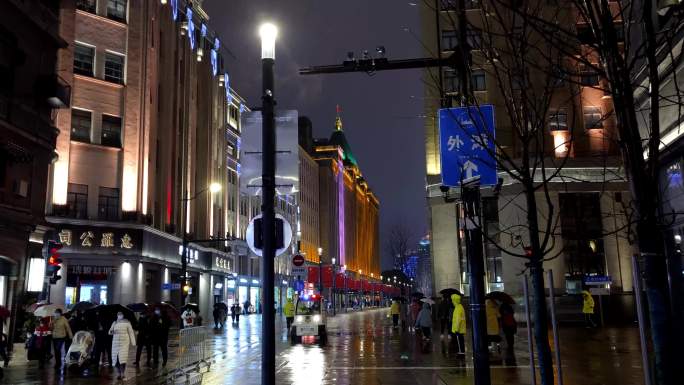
[{"x": 466, "y": 139}]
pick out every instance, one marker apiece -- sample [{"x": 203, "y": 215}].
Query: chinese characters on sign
[
  {"x": 222, "y": 263},
  {"x": 88, "y": 239},
  {"x": 467, "y": 145}
]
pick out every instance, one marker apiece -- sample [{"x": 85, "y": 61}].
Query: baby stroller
[{"x": 80, "y": 351}]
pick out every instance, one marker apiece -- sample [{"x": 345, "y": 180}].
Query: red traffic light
[
  {"x": 528, "y": 251},
  {"x": 54, "y": 260}
]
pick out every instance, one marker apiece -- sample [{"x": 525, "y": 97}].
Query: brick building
[{"x": 153, "y": 125}]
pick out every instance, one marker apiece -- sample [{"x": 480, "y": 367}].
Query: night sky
[{"x": 380, "y": 113}]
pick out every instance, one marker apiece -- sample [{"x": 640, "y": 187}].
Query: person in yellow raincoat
[
  {"x": 493, "y": 315},
  {"x": 458, "y": 323},
  {"x": 395, "y": 310},
  {"x": 588, "y": 309},
  {"x": 288, "y": 311}
]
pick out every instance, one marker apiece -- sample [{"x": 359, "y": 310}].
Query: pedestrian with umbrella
[
  {"x": 424, "y": 321},
  {"x": 123, "y": 337},
  {"x": 61, "y": 333},
  {"x": 446, "y": 311},
  {"x": 217, "y": 316},
  {"x": 144, "y": 339},
  {"x": 39, "y": 344},
  {"x": 458, "y": 324},
  {"x": 98, "y": 322},
  {"x": 159, "y": 333}
]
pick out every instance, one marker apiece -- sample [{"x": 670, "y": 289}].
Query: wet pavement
[{"x": 363, "y": 348}]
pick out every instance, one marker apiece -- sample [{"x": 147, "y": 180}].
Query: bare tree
[
  {"x": 398, "y": 243},
  {"x": 534, "y": 81},
  {"x": 635, "y": 47}
]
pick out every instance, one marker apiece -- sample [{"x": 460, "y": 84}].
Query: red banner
[
  {"x": 312, "y": 276},
  {"x": 339, "y": 281},
  {"x": 327, "y": 276}
]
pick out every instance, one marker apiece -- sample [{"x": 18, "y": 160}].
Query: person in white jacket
[{"x": 123, "y": 338}]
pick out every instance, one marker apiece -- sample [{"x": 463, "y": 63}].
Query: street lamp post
[
  {"x": 345, "y": 301},
  {"x": 268, "y": 33},
  {"x": 332, "y": 290},
  {"x": 212, "y": 188},
  {"x": 320, "y": 271}
]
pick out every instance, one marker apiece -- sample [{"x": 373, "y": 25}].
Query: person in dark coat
[
  {"x": 217, "y": 316},
  {"x": 509, "y": 326},
  {"x": 159, "y": 326},
  {"x": 446, "y": 309},
  {"x": 144, "y": 340},
  {"x": 100, "y": 324}
]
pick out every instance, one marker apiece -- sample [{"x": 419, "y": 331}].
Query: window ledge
[
  {"x": 98, "y": 81},
  {"x": 95, "y": 145},
  {"x": 102, "y": 18}
]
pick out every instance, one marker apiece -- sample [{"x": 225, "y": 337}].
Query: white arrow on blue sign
[{"x": 467, "y": 144}]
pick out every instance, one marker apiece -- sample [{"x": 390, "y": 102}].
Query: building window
[
  {"x": 474, "y": 37},
  {"x": 77, "y": 201},
  {"x": 449, "y": 40},
  {"x": 592, "y": 117},
  {"x": 84, "y": 57},
  {"x": 86, "y": 5},
  {"x": 81, "y": 123},
  {"x": 558, "y": 120},
  {"x": 114, "y": 68},
  {"x": 451, "y": 81},
  {"x": 108, "y": 204},
  {"x": 116, "y": 10},
  {"x": 588, "y": 77},
  {"x": 111, "y": 131},
  {"x": 478, "y": 80}
]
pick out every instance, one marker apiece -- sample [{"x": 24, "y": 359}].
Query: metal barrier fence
[{"x": 193, "y": 355}]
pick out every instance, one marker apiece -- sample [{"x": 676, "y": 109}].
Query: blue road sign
[
  {"x": 466, "y": 142},
  {"x": 598, "y": 279},
  {"x": 170, "y": 286}
]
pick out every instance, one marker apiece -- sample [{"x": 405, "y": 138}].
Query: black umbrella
[
  {"x": 139, "y": 307},
  {"x": 168, "y": 309},
  {"x": 83, "y": 306},
  {"x": 107, "y": 313},
  {"x": 417, "y": 295},
  {"x": 501, "y": 297},
  {"x": 192, "y": 306},
  {"x": 450, "y": 291}
]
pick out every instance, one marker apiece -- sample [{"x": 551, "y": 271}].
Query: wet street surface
[{"x": 363, "y": 348}]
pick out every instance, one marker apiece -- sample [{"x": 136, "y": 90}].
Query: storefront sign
[
  {"x": 171, "y": 286},
  {"x": 83, "y": 269},
  {"x": 598, "y": 280},
  {"x": 222, "y": 263},
  {"x": 98, "y": 238}
]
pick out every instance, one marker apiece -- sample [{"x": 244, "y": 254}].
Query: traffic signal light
[{"x": 54, "y": 261}]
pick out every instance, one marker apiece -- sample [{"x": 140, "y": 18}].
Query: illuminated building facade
[
  {"x": 588, "y": 195},
  {"x": 348, "y": 209},
  {"x": 152, "y": 126}
]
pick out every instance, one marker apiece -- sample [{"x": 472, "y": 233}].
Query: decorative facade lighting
[
  {"x": 174, "y": 9},
  {"x": 191, "y": 28},
  {"x": 214, "y": 57},
  {"x": 226, "y": 81}
]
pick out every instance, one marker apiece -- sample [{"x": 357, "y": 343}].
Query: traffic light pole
[{"x": 268, "y": 215}]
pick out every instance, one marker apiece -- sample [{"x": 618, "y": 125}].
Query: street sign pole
[{"x": 470, "y": 194}]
